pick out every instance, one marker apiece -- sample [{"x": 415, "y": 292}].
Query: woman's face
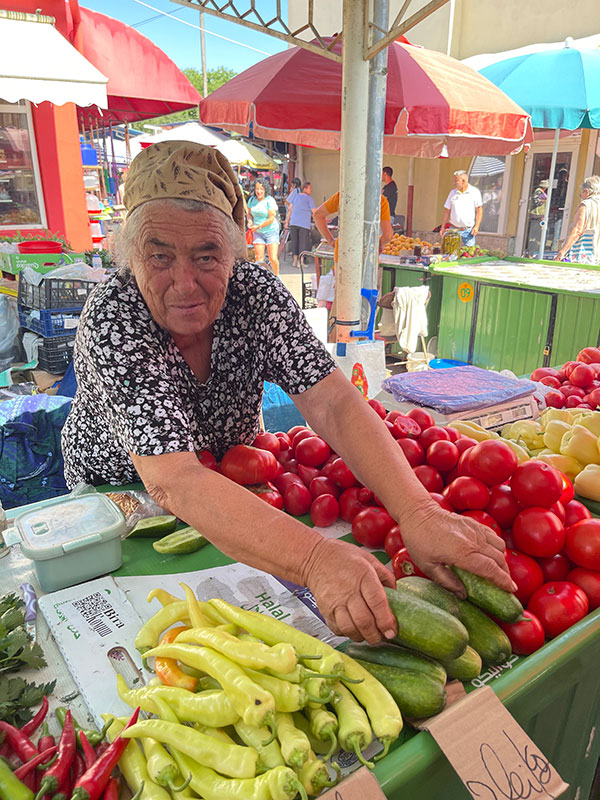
[
  {"x": 182, "y": 267},
  {"x": 259, "y": 191}
]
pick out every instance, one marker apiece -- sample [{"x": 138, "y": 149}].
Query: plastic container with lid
[{"x": 71, "y": 540}]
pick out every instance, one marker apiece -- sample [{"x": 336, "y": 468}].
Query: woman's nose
[{"x": 183, "y": 275}]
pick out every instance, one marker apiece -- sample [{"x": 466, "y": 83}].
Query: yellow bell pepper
[
  {"x": 587, "y": 483},
  {"x": 526, "y": 430},
  {"x": 555, "y": 430},
  {"x": 520, "y": 452},
  {"x": 580, "y": 444},
  {"x": 591, "y": 421},
  {"x": 565, "y": 464},
  {"x": 549, "y": 414}
]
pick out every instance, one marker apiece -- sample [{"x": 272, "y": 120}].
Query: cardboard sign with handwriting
[
  {"x": 491, "y": 753},
  {"x": 358, "y": 786}
]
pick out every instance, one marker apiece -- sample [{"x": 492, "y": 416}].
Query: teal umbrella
[{"x": 559, "y": 88}]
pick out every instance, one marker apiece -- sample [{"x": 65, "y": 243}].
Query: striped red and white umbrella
[{"x": 435, "y": 105}]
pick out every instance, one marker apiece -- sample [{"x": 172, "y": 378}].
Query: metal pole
[
  {"x": 203, "y": 54},
  {"x": 410, "y": 194},
  {"x": 353, "y": 164},
  {"x": 549, "y": 196},
  {"x": 376, "y": 120}
]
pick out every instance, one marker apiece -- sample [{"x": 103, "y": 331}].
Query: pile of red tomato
[
  {"x": 553, "y": 544},
  {"x": 576, "y": 384}
]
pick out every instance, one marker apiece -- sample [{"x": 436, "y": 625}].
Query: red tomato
[
  {"x": 340, "y": 473},
  {"x": 431, "y": 435},
  {"x": 312, "y": 451},
  {"x": 283, "y": 482},
  {"x": 543, "y": 372},
  {"x": 391, "y": 416},
  {"x": 405, "y": 428},
  {"x": 554, "y": 399},
  {"x": 492, "y": 461},
  {"x": 555, "y": 568},
  {"x": 389, "y": 425},
  {"x": 573, "y": 402},
  {"x": 589, "y": 355},
  {"x": 324, "y": 510},
  {"x": 280, "y": 470},
  {"x": 593, "y": 398},
  {"x": 583, "y": 543},
  {"x": 582, "y": 375},
  {"x": 465, "y": 443},
  {"x": 327, "y": 465},
  {"x": 589, "y": 581},
  {"x": 558, "y": 605},
  {"x": 574, "y": 511},
  {"x": 462, "y": 467},
  {"x": 538, "y": 532},
  {"x": 285, "y": 456},
  {"x": 443, "y": 455},
  {"x": 453, "y": 434},
  {"x": 268, "y": 441},
  {"x": 413, "y": 451},
  {"x": 297, "y": 499},
  {"x": 550, "y": 380},
  {"x": 484, "y": 518},
  {"x": 536, "y": 484},
  {"x": 370, "y": 526},
  {"x": 247, "y": 465},
  {"x": 559, "y": 510},
  {"x": 429, "y": 477},
  {"x": 451, "y": 476},
  {"x": 568, "y": 491},
  {"x": 442, "y": 501},
  {"x": 284, "y": 441},
  {"x": 350, "y": 504},
  {"x": 422, "y": 418},
  {"x": 393, "y": 541},
  {"x": 566, "y": 369},
  {"x": 206, "y": 458},
  {"x": 308, "y": 474},
  {"x": 296, "y": 429},
  {"x": 268, "y": 493},
  {"x": 572, "y": 391},
  {"x": 502, "y": 506},
  {"x": 322, "y": 485},
  {"x": 466, "y": 494},
  {"x": 403, "y": 565},
  {"x": 525, "y": 572},
  {"x": 302, "y": 434},
  {"x": 377, "y": 407},
  {"x": 526, "y": 636},
  {"x": 366, "y": 496}
]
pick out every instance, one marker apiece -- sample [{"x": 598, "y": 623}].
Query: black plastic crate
[
  {"x": 55, "y": 354},
  {"x": 54, "y": 293},
  {"x": 50, "y": 322}
]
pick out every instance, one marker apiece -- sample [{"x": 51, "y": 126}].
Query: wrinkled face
[
  {"x": 259, "y": 191},
  {"x": 183, "y": 264},
  {"x": 461, "y": 182}
]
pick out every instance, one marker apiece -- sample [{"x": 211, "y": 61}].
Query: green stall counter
[{"x": 517, "y": 314}]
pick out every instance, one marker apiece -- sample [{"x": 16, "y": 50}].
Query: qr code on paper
[{"x": 98, "y": 613}]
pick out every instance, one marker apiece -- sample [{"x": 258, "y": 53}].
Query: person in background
[
  {"x": 298, "y": 221},
  {"x": 264, "y": 225},
  {"x": 463, "y": 209},
  {"x": 331, "y": 207},
  {"x": 583, "y": 240},
  {"x": 296, "y": 184},
  {"x": 390, "y": 190}
]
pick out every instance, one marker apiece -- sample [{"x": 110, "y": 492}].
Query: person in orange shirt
[{"x": 331, "y": 207}]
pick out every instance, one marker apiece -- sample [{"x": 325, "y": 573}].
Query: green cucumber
[
  {"x": 415, "y": 693},
  {"x": 490, "y": 641},
  {"x": 154, "y": 527},
  {"x": 429, "y": 591},
  {"x": 489, "y": 597},
  {"x": 426, "y": 628},
  {"x": 465, "y": 667},
  {"x": 389, "y": 655}
]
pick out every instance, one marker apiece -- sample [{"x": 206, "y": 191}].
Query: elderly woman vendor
[{"x": 170, "y": 359}]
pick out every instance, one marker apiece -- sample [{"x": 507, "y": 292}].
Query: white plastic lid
[{"x": 68, "y": 525}]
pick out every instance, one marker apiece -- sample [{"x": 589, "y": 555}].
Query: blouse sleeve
[{"x": 122, "y": 354}]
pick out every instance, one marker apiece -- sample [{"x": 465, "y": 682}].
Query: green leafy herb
[
  {"x": 16, "y": 649},
  {"x": 17, "y": 697}
]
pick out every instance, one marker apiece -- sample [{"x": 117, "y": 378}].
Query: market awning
[
  {"x": 37, "y": 64},
  {"x": 143, "y": 82}
]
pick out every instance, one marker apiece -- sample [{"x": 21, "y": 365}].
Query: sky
[{"x": 182, "y": 43}]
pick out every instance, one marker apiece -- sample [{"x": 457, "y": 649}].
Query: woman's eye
[{"x": 160, "y": 258}]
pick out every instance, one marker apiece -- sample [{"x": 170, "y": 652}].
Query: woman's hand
[
  {"x": 252, "y": 228},
  {"x": 436, "y": 539},
  {"x": 346, "y": 582}
]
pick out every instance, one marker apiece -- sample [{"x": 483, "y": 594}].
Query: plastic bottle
[{"x": 97, "y": 261}]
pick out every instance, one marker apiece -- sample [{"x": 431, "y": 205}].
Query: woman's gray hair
[
  {"x": 592, "y": 184},
  {"x": 127, "y": 241}
]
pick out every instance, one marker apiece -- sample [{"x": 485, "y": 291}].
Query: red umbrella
[{"x": 435, "y": 105}]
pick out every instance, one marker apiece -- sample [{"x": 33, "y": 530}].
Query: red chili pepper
[
  {"x": 91, "y": 784},
  {"x": 56, "y": 777},
  {"x": 46, "y": 740},
  {"x": 89, "y": 753},
  {"x": 20, "y": 743},
  {"x": 78, "y": 768},
  {"x": 43, "y": 759},
  {"x": 112, "y": 790},
  {"x": 31, "y": 727}
]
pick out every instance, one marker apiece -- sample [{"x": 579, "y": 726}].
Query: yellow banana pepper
[
  {"x": 473, "y": 430},
  {"x": 565, "y": 464},
  {"x": 587, "y": 483},
  {"x": 555, "y": 430},
  {"x": 580, "y": 444},
  {"x": 591, "y": 421}
]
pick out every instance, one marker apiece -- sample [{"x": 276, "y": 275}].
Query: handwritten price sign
[{"x": 358, "y": 786}]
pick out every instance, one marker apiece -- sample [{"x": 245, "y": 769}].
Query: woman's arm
[
  {"x": 320, "y": 215},
  {"x": 249, "y": 530},
  {"x": 574, "y": 234}
]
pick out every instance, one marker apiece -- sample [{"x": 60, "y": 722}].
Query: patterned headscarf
[{"x": 184, "y": 170}]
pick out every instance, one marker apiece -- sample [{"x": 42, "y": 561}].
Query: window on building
[
  {"x": 489, "y": 175},
  {"x": 21, "y": 204}
]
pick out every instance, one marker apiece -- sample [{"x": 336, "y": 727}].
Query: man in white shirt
[{"x": 463, "y": 209}]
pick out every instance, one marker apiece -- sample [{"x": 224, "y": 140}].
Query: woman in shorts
[{"x": 264, "y": 225}]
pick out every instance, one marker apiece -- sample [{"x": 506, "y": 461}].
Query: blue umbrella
[{"x": 559, "y": 88}]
